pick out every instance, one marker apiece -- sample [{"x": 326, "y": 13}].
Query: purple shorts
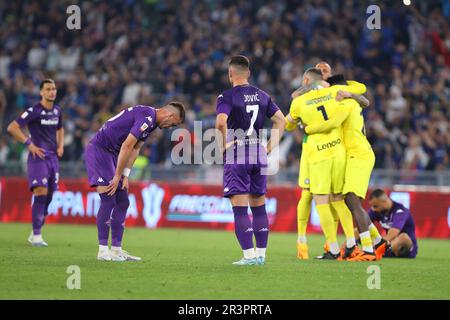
[
  {"x": 100, "y": 164},
  {"x": 43, "y": 173},
  {"x": 243, "y": 179}
]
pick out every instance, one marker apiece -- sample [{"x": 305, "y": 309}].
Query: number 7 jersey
[
  {"x": 247, "y": 108},
  {"x": 314, "y": 107}
]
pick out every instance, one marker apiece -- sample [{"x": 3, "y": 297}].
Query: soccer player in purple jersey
[
  {"x": 109, "y": 157},
  {"x": 46, "y": 144},
  {"x": 244, "y": 108},
  {"x": 398, "y": 223}
]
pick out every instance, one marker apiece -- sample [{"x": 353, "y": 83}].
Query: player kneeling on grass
[
  {"x": 398, "y": 224},
  {"x": 109, "y": 158}
]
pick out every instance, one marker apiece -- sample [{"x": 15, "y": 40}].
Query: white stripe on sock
[
  {"x": 302, "y": 239},
  {"x": 351, "y": 242},
  {"x": 249, "y": 253},
  {"x": 261, "y": 252},
  {"x": 334, "y": 248}
]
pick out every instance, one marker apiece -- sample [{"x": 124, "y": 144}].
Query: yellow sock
[
  {"x": 335, "y": 218},
  {"x": 327, "y": 222},
  {"x": 374, "y": 234},
  {"x": 366, "y": 241},
  {"x": 303, "y": 210},
  {"x": 346, "y": 219}
]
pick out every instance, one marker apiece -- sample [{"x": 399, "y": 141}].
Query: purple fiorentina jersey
[
  {"x": 247, "y": 108},
  {"x": 398, "y": 217},
  {"x": 42, "y": 124},
  {"x": 140, "y": 121}
]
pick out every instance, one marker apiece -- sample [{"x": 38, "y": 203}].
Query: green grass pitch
[{"x": 196, "y": 264}]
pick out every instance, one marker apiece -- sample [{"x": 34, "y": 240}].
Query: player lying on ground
[
  {"x": 109, "y": 157},
  {"x": 398, "y": 223},
  {"x": 45, "y": 145},
  {"x": 244, "y": 109},
  {"x": 325, "y": 159},
  {"x": 359, "y": 164}
]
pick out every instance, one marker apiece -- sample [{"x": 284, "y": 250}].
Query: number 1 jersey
[{"x": 316, "y": 106}]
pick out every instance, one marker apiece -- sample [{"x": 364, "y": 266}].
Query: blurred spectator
[
  {"x": 4, "y": 150},
  {"x": 148, "y": 52},
  {"x": 415, "y": 156}
]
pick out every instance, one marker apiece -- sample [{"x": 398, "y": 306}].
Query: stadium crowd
[{"x": 147, "y": 52}]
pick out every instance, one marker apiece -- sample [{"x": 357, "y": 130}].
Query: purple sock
[
  {"x": 243, "y": 227},
  {"x": 260, "y": 226},
  {"x": 47, "y": 202},
  {"x": 37, "y": 212},
  {"x": 118, "y": 217},
  {"x": 107, "y": 204}
]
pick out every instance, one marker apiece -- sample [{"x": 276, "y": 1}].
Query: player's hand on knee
[
  {"x": 113, "y": 184},
  {"x": 36, "y": 151},
  {"x": 125, "y": 184}
]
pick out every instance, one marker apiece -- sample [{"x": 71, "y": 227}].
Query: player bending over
[
  {"x": 398, "y": 223},
  {"x": 325, "y": 159},
  {"x": 244, "y": 108},
  {"x": 46, "y": 144},
  {"x": 109, "y": 158}
]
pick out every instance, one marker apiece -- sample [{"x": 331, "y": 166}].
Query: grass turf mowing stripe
[{"x": 196, "y": 264}]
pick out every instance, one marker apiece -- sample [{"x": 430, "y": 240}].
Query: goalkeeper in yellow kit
[
  {"x": 304, "y": 204},
  {"x": 359, "y": 165},
  {"x": 325, "y": 154}
]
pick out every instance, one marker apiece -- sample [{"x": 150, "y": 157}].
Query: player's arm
[
  {"x": 305, "y": 89},
  {"x": 221, "y": 125},
  {"x": 352, "y": 87},
  {"x": 134, "y": 154},
  {"x": 362, "y": 101},
  {"x": 60, "y": 136},
  {"x": 392, "y": 234},
  {"x": 398, "y": 222},
  {"x": 333, "y": 121},
  {"x": 293, "y": 117},
  {"x": 15, "y": 130},
  {"x": 279, "y": 123},
  {"x": 291, "y": 123},
  {"x": 301, "y": 91},
  {"x": 60, "y": 141},
  {"x": 124, "y": 156},
  {"x": 223, "y": 110}
]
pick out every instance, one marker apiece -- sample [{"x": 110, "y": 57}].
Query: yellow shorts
[
  {"x": 357, "y": 174},
  {"x": 303, "y": 177},
  {"x": 327, "y": 176}
]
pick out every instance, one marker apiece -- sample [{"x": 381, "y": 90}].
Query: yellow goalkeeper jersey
[
  {"x": 349, "y": 116},
  {"x": 315, "y": 107}
]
